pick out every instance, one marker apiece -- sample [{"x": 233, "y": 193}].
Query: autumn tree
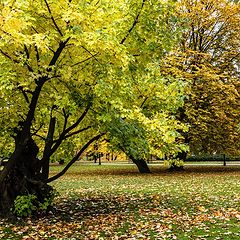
[
  {"x": 208, "y": 57},
  {"x": 76, "y": 71}
]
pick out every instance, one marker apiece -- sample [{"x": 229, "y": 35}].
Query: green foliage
[
  {"x": 174, "y": 163},
  {"x": 26, "y": 205},
  {"x": 105, "y": 54},
  {"x": 48, "y": 200}
]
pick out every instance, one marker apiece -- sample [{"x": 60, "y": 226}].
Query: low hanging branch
[{"x": 75, "y": 158}]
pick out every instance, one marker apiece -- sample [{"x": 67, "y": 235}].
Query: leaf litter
[{"x": 189, "y": 206}]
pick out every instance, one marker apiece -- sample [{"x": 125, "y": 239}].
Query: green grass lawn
[{"x": 116, "y": 202}]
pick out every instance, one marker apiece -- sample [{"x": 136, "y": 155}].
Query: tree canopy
[
  {"x": 208, "y": 57},
  {"x": 75, "y": 71}
]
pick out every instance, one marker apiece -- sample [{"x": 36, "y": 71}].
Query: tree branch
[
  {"x": 53, "y": 20},
  {"x": 134, "y": 23},
  {"x": 24, "y": 93},
  {"x": 76, "y": 132},
  {"x": 28, "y": 56},
  {"x": 66, "y": 116},
  {"x": 79, "y": 119},
  {"x": 8, "y": 56},
  {"x": 58, "y": 52},
  {"x": 92, "y": 56},
  {"x": 74, "y": 159},
  {"x": 67, "y": 130},
  {"x": 47, "y": 147}
]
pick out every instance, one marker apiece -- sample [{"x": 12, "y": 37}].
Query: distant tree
[{"x": 208, "y": 57}]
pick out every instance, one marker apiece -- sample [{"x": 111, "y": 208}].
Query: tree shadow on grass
[{"x": 90, "y": 207}]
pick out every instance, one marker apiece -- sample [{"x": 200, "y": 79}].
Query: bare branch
[
  {"x": 28, "y": 56},
  {"x": 66, "y": 116},
  {"x": 75, "y": 158},
  {"x": 93, "y": 55},
  {"x": 41, "y": 137},
  {"x": 8, "y": 56},
  {"x": 76, "y": 132},
  {"x": 67, "y": 130},
  {"x": 37, "y": 130},
  {"x": 79, "y": 119}
]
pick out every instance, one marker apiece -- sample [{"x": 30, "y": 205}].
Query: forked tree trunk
[
  {"x": 22, "y": 178},
  {"x": 21, "y": 175}
]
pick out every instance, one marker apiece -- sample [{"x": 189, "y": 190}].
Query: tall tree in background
[
  {"x": 208, "y": 59},
  {"x": 71, "y": 72}
]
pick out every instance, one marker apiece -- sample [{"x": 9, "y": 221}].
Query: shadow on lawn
[{"x": 72, "y": 210}]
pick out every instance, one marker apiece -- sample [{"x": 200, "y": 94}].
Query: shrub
[{"x": 26, "y": 205}]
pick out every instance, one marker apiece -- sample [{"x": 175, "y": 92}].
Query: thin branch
[
  {"x": 37, "y": 53},
  {"x": 66, "y": 116},
  {"x": 134, "y": 23},
  {"x": 67, "y": 130},
  {"x": 79, "y": 119},
  {"x": 37, "y": 130},
  {"x": 28, "y": 56},
  {"x": 53, "y": 20},
  {"x": 76, "y": 132},
  {"x": 93, "y": 56},
  {"x": 146, "y": 98},
  {"x": 8, "y": 56},
  {"x": 75, "y": 158},
  {"x": 24, "y": 94},
  {"x": 41, "y": 137}
]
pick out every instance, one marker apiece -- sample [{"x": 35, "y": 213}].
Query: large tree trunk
[
  {"x": 21, "y": 175},
  {"x": 142, "y": 165}
]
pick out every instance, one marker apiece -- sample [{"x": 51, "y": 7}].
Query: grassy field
[{"x": 116, "y": 202}]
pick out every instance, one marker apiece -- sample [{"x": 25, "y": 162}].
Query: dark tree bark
[
  {"x": 21, "y": 174},
  {"x": 24, "y": 172},
  {"x": 141, "y": 165},
  {"x": 182, "y": 156}
]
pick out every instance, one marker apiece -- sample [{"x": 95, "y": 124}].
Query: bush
[{"x": 27, "y": 205}]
